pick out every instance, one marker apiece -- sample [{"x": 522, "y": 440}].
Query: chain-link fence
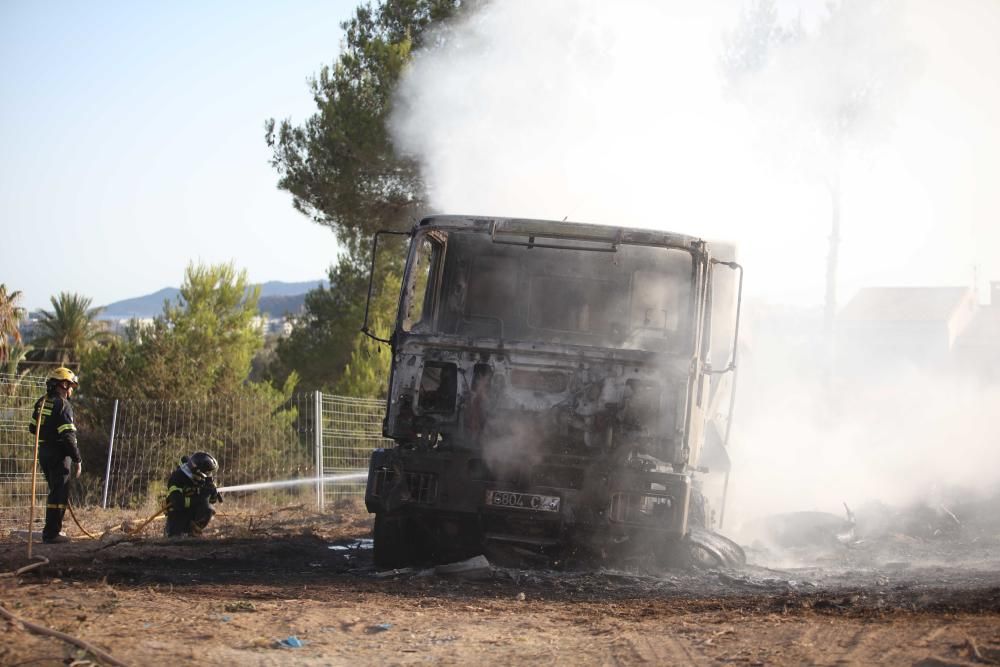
[
  {"x": 130, "y": 447},
  {"x": 352, "y": 428},
  {"x": 17, "y": 398}
]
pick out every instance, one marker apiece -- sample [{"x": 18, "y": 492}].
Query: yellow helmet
[{"x": 63, "y": 374}]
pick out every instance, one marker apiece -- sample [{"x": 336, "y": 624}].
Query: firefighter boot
[{"x": 52, "y": 533}]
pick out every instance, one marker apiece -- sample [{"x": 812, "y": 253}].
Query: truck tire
[
  {"x": 389, "y": 537},
  {"x": 698, "y": 510}
]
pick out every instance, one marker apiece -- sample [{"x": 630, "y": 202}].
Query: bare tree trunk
[{"x": 832, "y": 257}]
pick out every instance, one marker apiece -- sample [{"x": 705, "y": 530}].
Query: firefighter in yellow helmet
[{"x": 58, "y": 452}]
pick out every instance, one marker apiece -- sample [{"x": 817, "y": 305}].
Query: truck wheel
[
  {"x": 698, "y": 510},
  {"x": 673, "y": 554},
  {"x": 391, "y": 547}
]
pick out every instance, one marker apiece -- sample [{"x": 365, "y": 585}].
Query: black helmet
[{"x": 202, "y": 465}]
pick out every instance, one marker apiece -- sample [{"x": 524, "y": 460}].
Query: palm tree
[
  {"x": 11, "y": 315},
  {"x": 10, "y": 370},
  {"x": 69, "y": 330}
]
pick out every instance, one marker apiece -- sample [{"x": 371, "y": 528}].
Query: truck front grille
[
  {"x": 544, "y": 474},
  {"x": 561, "y": 477},
  {"x": 421, "y": 485}
]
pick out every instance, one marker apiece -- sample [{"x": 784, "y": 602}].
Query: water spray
[
  {"x": 346, "y": 477},
  {"x": 256, "y": 486}
]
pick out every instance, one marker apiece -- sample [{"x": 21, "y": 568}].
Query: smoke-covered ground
[
  {"x": 256, "y": 580},
  {"x": 905, "y": 436}
]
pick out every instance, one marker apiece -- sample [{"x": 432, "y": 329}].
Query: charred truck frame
[{"x": 552, "y": 390}]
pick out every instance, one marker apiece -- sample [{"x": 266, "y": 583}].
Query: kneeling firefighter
[{"x": 190, "y": 494}]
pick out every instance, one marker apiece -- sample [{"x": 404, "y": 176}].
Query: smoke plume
[{"x": 623, "y": 114}]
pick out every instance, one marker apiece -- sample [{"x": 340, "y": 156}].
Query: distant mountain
[
  {"x": 276, "y": 298},
  {"x": 150, "y": 305},
  {"x": 278, "y": 288}
]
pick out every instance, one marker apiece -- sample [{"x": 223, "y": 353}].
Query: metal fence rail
[{"x": 130, "y": 447}]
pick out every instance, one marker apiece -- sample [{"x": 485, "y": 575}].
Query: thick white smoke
[
  {"x": 618, "y": 113},
  {"x": 585, "y": 110}
]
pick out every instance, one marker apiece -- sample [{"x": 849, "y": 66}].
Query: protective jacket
[
  {"x": 57, "y": 447},
  {"x": 58, "y": 436},
  {"x": 188, "y": 503}
]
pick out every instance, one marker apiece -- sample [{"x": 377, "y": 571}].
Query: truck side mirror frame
[
  {"x": 371, "y": 281},
  {"x": 732, "y": 391}
]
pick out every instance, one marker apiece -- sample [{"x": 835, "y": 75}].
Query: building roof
[{"x": 904, "y": 304}]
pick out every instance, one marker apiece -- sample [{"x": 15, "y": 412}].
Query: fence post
[
  {"x": 318, "y": 425},
  {"x": 111, "y": 449}
]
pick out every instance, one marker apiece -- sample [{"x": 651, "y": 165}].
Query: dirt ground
[{"x": 257, "y": 579}]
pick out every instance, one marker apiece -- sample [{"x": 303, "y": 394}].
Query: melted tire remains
[{"x": 714, "y": 550}]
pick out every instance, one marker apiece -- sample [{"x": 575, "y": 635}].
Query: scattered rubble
[{"x": 477, "y": 567}]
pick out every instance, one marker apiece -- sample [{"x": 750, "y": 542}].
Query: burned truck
[{"x": 556, "y": 390}]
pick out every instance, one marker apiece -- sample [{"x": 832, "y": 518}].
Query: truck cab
[{"x": 552, "y": 389}]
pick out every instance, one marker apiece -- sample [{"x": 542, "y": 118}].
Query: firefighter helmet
[
  {"x": 62, "y": 374},
  {"x": 202, "y": 465}
]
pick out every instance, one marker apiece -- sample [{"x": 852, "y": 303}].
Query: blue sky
[{"x": 133, "y": 141}]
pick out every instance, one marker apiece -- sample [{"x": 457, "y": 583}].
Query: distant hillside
[
  {"x": 150, "y": 305},
  {"x": 276, "y": 298}
]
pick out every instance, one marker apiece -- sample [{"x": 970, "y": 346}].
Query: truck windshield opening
[{"x": 463, "y": 284}]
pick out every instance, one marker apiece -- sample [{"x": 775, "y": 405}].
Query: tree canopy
[
  {"x": 340, "y": 165},
  {"x": 69, "y": 331},
  {"x": 203, "y": 343},
  {"x": 366, "y": 371},
  {"x": 343, "y": 172},
  {"x": 11, "y": 314},
  {"x": 214, "y": 319}
]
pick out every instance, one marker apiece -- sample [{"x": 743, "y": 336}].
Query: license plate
[{"x": 524, "y": 501}]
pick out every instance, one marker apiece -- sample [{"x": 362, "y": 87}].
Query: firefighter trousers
[
  {"x": 56, "y": 470},
  {"x": 189, "y": 520}
]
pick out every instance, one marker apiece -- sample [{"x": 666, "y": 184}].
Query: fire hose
[
  {"x": 69, "y": 506},
  {"x": 34, "y": 474},
  {"x": 136, "y": 531},
  {"x": 129, "y": 531}
]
